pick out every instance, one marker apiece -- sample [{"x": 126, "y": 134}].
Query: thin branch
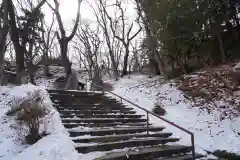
[
  {"x": 58, "y": 16},
  {"x": 76, "y": 22}
]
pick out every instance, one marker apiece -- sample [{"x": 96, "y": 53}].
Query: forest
[{"x": 169, "y": 37}]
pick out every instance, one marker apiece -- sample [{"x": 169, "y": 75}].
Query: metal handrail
[{"x": 154, "y": 114}]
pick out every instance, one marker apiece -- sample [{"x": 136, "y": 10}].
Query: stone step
[
  {"x": 73, "y": 92},
  {"x": 123, "y": 144},
  {"x": 71, "y": 96},
  {"x": 94, "y": 109},
  {"x": 83, "y": 97},
  {"x": 111, "y": 131},
  {"x": 147, "y": 153},
  {"x": 88, "y": 112},
  {"x": 112, "y": 125},
  {"x": 88, "y": 102},
  {"x": 102, "y": 120},
  {"x": 112, "y": 138},
  {"x": 83, "y": 101},
  {"x": 74, "y": 125},
  {"x": 87, "y": 106},
  {"x": 182, "y": 157},
  {"x": 102, "y": 116}
]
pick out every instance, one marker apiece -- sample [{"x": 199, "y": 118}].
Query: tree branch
[
  {"x": 58, "y": 16},
  {"x": 133, "y": 36},
  {"x": 76, "y": 23}
]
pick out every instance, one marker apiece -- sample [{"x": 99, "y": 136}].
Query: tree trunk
[
  {"x": 30, "y": 64},
  {"x": 223, "y": 55},
  {"x": 180, "y": 63},
  {"x": 32, "y": 79},
  {"x": 198, "y": 61},
  {"x": 3, "y": 36},
  {"x": 153, "y": 64},
  {"x": 111, "y": 54},
  {"x": 19, "y": 50},
  {"x": 46, "y": 63},
  {"x": 152, "y": 47},
  {"x": 66, "y": 63},
  {"x": 97, "y": 77},
  {"x": 161, "y": 65},
  {"x": 20, "y": 60},
  {"x": 63, "y": 40},
  {"x": 125, "y": 62},
  {"x": 114, "y": 67}
]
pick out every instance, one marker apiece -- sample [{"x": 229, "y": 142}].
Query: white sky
[{"x": 68, "y": 10}]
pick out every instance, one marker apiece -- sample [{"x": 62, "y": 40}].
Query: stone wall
[
  {"x": 72, "y": 82},
  {"x": 60, "y": 83},
  {"x": 9, "y": 78}
]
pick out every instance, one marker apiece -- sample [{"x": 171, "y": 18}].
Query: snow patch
[
  {"x": 53, "y": 147},
  {"x": 211, "y": 132},
  {"x": 57, "y": 145}
]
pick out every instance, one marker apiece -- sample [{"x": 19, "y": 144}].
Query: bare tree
[
  {"x": 47, "y": 40},
  {"x": 103, "y": 21},
  {"x": 126, "y": 35},
  {"x": 21, "y": 32},
  {"x": 134, "y": 60},
  {"x": 88, "y": 44},
  {"x": 3, "y": 33},
  {"x": 63, "y": 39},
  {"x": 33, "y": 41}
]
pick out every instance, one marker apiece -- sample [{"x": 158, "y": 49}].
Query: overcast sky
[{"x": 68, "y": 10}]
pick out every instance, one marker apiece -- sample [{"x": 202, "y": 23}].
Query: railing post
[
  {"x": 193, "y": 146},
  {"x": 147, "y": 123}
]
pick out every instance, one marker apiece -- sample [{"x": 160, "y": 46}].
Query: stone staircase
[{"x": 99, "y": 123}]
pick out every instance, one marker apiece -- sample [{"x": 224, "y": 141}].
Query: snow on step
[
  {"x": 116, "y": 124},
  {"x": 95, "y": 112},
  {"x": 102, "y": 120},
  {"x": 99, "y": 132},
  {"x": 111, "y": 138},
  {"x": 95, "y": 109},
  {"x": 150, "y": 153},
  {"x": 103, "y": 116},
  {"x": 183, "y": 157},
  {"x": 121, "y": 144}
]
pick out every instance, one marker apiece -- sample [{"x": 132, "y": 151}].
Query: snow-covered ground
[
  {"x": 56, "y": 146},
  {"x": 211, "y": 131}
]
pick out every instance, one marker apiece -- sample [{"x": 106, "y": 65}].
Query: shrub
[
  {"x": 158, "y": 109},
  {"x": 29, "y": 117},
  {"x": 226, "y": 155}
]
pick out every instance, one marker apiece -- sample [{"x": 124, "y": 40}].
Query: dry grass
[
  {"x": 210, "y": 85},
  {"x": 226, "y": 155},
  {"x": 29, "y": 118},
  {"x": 158, "y": 109}
]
